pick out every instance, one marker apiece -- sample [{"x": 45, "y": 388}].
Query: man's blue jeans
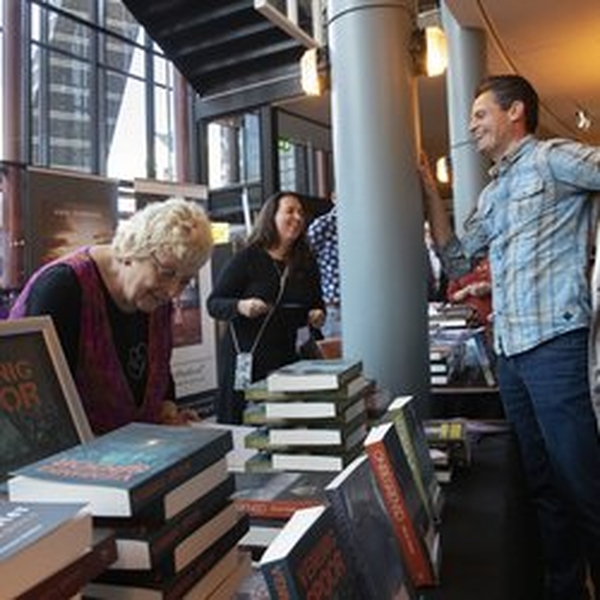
[{"x": 545, "y": 392}]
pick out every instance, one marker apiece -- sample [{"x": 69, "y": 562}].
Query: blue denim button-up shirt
[{"x": 534, "y": 219}]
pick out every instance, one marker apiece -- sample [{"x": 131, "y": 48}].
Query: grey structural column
[
  {"x": 382, "y": 255},
  {"x": 466, "y": 68}
]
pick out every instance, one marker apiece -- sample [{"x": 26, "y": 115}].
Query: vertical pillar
[
  {"x": 382, "y": 256},
  {"x": 183, "y": 145},
  {"x": 13, "y": 96},
  {"x": 466, "y": 68}
]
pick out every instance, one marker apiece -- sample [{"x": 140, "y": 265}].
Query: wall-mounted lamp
[
  {"x": 429, "y": 51},
  {"x": 429, "y": 47},
  {"x": 442, "y": 170},
  {"x": 314, "y": 71}
]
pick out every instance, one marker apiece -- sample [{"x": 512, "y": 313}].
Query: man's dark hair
[{"x": 511, "y": 88}]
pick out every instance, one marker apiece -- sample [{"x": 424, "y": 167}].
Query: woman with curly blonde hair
[{"x": 111, "y": 306}]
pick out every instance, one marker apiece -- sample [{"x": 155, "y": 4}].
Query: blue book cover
[
  {"x": 308, "y": 560},
  {"x": 126, "y": 470},
  {"x": 368, "y": 533}
]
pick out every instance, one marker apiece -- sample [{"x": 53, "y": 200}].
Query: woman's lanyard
[{"x": 236, "y": 345}]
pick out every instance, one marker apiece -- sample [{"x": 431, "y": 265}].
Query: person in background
[
  {"x": 475, "y": 290},
  {"x": 437, "y": 282},
  {"x": 265, "y": 293},
  {"x": 111, "y": 306},
  {"x": 323, "y": 237},
  {"x": 533, "y": 218}
]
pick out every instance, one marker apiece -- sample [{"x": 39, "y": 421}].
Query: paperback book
[
  {"x": 411, "y": 433},
  {"x": 279, "y": 495},
  {"x": 367, "y": 533},
  {"x": 37, "y": 540},
  {"x": 313, "y": 374},
  {"x": 415, "y": 531},
  {"x": 307, "y": 559},
  {"x": 126, "y": 471}
]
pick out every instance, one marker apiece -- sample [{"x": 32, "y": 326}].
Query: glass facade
[{"x": 100, "y": 92}]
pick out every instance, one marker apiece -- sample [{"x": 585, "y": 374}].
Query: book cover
[
  {"x": 307, "y": 559},
  {"x": 313, "y": 374},
  {"x": 124, "y": 471},
  {"x": 68, "y": 581},
  {"x": 414, "y": 530},
  {"x": 411, "y": 433},
  {"x": 36, "y": 540},
  {"x": 167, "y": 545},
  {"x": 367, "y": 533},
  {"x": 279, "y": 495}
]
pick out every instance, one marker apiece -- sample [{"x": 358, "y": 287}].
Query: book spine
[{"x": 417, "y": 563}]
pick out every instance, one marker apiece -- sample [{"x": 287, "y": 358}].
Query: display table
[
  {"x": 489, "y": 545},
  {"x": 469, "y": 401}
]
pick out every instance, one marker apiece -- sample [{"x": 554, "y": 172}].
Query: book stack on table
[
  {"x": 165, "y": 491},
  {"x": 310, "y": 416}
]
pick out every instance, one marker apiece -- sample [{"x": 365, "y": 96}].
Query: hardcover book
[
  {"x": 279, "y": 495},
  {"x": 313, "y": 374},
  {"x": 414, "y": 530},
  {"x": 37, "y": 540},
  {"x": 367, "y": 533},
  {"x": 411, "y": 433},
  {"x": 128, "y": 470},
  {"x": 307, "y": 559}
]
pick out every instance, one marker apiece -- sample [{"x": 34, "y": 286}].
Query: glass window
[
  {"x": 119, "y": 20},
  {"x": 84, "y": 9},
  {"x": 125, "y": 129},
  {"x": 63, "y": 33},
  {"x": 164, "y": 143},
  {"x": 234, "y": 150}
]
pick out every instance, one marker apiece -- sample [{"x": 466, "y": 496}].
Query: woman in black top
[{"x": 266, "y": 292}]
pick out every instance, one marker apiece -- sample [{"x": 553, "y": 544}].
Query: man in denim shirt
[{"x": 534, "y": 219}]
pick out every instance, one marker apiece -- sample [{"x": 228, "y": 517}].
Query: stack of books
[
  {"x": 310, "y": 416},
  {"x": 48, "y": 548},
  {"x": 165, "y": 491}
]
